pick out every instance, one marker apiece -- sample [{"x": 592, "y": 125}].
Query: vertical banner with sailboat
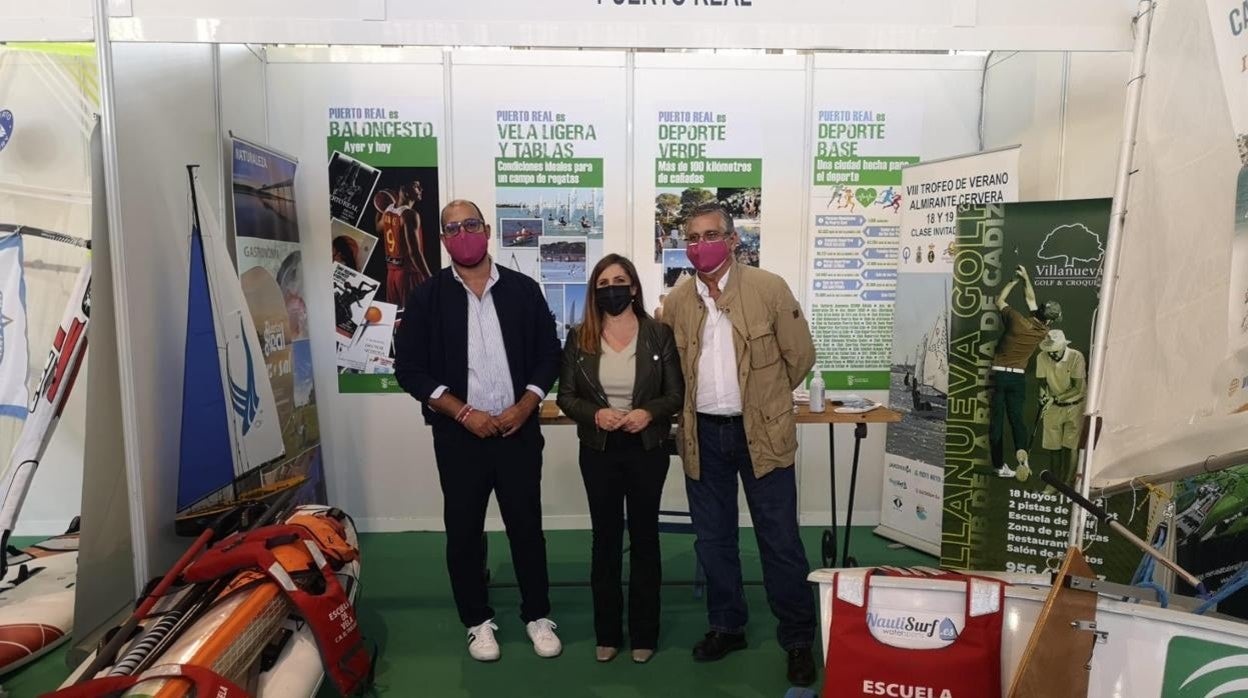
[
  {"x": 1025, "y": 283},
  {"x": 270, "y": 268},
  {"x": 383, "y": 204},
  {"x": 548, "y": 179},
  {"x": 913, "y": 487}
]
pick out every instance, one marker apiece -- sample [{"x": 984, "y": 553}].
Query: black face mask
[{"x": 613, "y": 300}]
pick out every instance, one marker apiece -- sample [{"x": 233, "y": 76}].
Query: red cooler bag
[{"x": 860, "y": 665}]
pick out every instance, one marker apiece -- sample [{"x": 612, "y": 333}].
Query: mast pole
[{"x": 1109, "y": 273}]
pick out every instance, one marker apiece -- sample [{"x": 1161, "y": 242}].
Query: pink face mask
[
  {"x": 708, "y": 256},
  {"x": 467, "y": 249}
]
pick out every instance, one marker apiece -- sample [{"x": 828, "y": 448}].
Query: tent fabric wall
[
  {"x": 1167, "y": 334},
  {"x": 1065, "y": 109}
]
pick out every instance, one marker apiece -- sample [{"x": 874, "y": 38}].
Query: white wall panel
[
  {"x": 166, "y": 119},
  {"x": 378, "y": 453}
]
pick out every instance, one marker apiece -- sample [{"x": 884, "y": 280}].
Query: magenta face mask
[
  {"x": 708, "y": 256},
  {"x": 467, "y": 249}
]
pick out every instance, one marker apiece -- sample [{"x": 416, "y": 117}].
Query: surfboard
[
  {"x": 37, "y": 583},
  {"x": 37, "y": 600}
]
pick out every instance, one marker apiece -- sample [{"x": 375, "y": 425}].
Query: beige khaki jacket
[{"x": 774, "y": 354}]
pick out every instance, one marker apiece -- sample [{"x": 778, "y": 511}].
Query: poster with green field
[{"x": 706, "y": 155}]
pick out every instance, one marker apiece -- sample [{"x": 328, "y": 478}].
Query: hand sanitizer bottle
[{"x": 816, "y": 393}]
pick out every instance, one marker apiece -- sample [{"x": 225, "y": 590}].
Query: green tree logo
[{"x": 1072, "y": 244}]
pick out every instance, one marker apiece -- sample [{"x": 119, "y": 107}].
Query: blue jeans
[{"x": 773, "y": 506}]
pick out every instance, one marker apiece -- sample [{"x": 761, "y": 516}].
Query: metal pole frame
[{"x": 1109, "y": 272}]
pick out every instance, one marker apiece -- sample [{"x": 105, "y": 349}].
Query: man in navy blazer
[{"x": 478, "y": 348}]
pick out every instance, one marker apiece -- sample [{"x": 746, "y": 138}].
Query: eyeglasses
[
  {"x": 708, "y": 236},
  {"x": 472, "y": 225}
]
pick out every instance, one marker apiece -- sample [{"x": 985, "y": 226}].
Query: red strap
[
  {"x": 207, "y": 683},
  {"x": 329, "y": 615}
]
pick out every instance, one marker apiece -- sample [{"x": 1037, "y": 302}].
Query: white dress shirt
[
  {"x": 719, "y": 392},
  {"x": 489, "y": 374}
]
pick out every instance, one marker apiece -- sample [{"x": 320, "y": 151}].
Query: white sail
[
  {"x": 1168, "y": 377},
  {"x": 935, "y": 374},
  {"x": 64, "y": 359},
  {"x": 255, "y": 430}
]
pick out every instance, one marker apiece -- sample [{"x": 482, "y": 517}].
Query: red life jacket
[
  {"x": 279, "y": 551},
  {"x": 859, "y": 665},
  {"x": 207, "y": 683}
]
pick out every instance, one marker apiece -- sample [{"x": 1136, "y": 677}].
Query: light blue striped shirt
[{"x": 489, "y": 374}]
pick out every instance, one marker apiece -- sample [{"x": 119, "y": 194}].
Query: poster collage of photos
[
  {"x": 384, "y": 232},
  {"x": 270, "y": 266},
  {"x": 672, "y": 206},
  {"x": 554, "y": 236}
]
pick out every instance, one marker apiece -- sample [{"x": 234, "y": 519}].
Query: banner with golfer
[
  {"x": 1025, "y": 284},
  {"x": 383, "y": 204}
]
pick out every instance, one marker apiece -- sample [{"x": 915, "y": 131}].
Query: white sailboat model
[
  {"x": 230, "y": 430},
  {"x": 1152, "y": 341},
  {"x": 230, "y": 424}
]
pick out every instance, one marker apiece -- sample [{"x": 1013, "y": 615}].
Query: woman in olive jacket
[{"x": 621, "y": 383}]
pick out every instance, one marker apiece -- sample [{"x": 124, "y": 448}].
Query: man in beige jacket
[{"x": 744, "y": 345}]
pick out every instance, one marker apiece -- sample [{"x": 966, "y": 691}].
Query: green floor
[{"x": 406, "y": 608}]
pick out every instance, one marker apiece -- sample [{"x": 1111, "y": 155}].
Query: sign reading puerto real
[{"x": 856, "y": 204}]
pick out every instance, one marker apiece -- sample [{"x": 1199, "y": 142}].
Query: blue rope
[
  {"x": 1143, "y": 577},
  {"x": 1234, "y": 584}
]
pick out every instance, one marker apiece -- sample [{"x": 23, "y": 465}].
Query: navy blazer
[{"x": 431, "y": 346}]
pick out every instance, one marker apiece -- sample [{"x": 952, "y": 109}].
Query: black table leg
[
  {"x": 860, "y": 433},
  {"x": 829, "y": 536}
]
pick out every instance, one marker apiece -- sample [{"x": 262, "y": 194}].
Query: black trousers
[
  {"x": 470, "y": 469},
  {"x": 625, "y": 477}
]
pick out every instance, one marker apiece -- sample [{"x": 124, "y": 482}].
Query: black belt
[
  {"x": 720, "y": 418},
  {"x": 1068, "y": 404}
]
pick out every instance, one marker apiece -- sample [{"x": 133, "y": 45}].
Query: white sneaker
[
  {"x": 1024, "y": 468},
  {"x": 545, "y": 641},
  {"x": 1005, "y": 471},
  {"x": 481, "y": 642}
]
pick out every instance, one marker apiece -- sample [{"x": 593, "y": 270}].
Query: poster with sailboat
[{"x": 913, "y": 487}]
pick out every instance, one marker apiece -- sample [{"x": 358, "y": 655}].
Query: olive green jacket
[{"x": 774, "y": 350}]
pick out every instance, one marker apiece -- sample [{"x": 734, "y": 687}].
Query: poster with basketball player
[
  {"x": 270, "y": 267},
  {"x": 383, "y": 178}
]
